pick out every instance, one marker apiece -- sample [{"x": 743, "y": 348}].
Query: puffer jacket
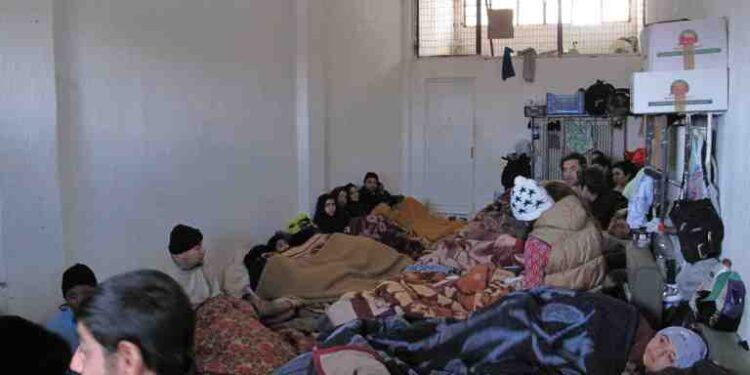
[{"x": 575, "y": 260}]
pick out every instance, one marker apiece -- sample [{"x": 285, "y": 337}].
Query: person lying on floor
[
  {"x": 137, "y": 323},
  {"x": 186, "y": 266},
  {"x": 328, "y": 218},
  {"x": 604, "y": 201},
  {"x": 78, "y": 283},
  {"x": 540, "y": 331},
  {"x": 373, "y": 193},
  {"x": 564, "y": 247}
]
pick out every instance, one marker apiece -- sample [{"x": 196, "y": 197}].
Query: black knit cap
[
  {"x": 184, "y": 238},
  {"x": 79, "y": 274}
]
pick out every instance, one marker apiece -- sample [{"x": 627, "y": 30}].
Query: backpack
[
  {"x": 699, "y": 229},
  {"x": 598, "y": 98},
  {"x": 721, "y": 306},
  {"x": 619, "y": 103}
]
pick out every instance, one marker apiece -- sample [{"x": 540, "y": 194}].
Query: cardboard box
[
  {"x": 703, "y": 90},
  {"x": 685, "y": 45}
]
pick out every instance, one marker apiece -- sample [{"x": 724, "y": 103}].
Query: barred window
[{"x": 449, "y": 27}]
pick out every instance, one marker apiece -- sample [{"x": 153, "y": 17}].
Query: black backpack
[
  {"x": 699, "y": 229},
  {"x": 598, "y": 98}
]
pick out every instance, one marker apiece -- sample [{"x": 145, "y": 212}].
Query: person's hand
[{"x": 505, "y": 240}]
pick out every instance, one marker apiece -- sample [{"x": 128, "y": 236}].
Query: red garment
[{"x": 535, "y": 258}]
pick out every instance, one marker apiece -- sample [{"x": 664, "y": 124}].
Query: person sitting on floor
[
  {"x": 572, "y": 166},
  {"x": 355, "y": 207},
  {"x": 136, "y": 323},
  {"x": 186, "y": 264},
  {"x": 342, "y": 199},
  {"x": 604, "y": 202},
  {"x": 622, "y": 173},
  {"x": 373, "y": 193},
  {"x": 564, "y": 248},
  {"x": 328, "y": 218},
  {"x": 31, "y": 349},
  {"x": 78, "y": 283}
]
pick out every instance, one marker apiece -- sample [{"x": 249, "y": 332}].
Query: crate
[{"x": 565, "y": 105}]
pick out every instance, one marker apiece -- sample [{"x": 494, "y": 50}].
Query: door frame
[{"x": 425, "y": 145}]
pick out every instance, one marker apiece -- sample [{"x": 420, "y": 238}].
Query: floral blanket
[
  {"x": 493, "y": 221},
  {"x": 387, "y": 232},
  {"x": 464, "y": 254},
  {"x": 229, "y": 339},
  {"x": 431, "y": 294}
]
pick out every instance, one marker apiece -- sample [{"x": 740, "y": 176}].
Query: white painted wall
[
  {"x": 174, "y": 111},
  {"x": 31, "y": 230},
  {"x": 500, "y": 121},
  {"x": 363, "y": 46},
  {"x": 734, "y": 132}
]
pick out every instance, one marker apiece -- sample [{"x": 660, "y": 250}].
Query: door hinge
[{"x": 472, "y": 152}]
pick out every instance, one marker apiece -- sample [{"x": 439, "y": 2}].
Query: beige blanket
[{"x": 344, "y": 264}]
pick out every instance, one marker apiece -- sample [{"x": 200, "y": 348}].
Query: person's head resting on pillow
[
  {"x": 676, "y": 347},
  {"x": 137, "y": 323}
]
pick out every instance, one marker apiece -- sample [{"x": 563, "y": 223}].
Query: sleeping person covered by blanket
[{"x": 541, "y": 331}]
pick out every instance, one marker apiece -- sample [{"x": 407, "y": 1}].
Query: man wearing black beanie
[
  {"x": 186, "y": 265},
  {"x": 78, "y": 283}
]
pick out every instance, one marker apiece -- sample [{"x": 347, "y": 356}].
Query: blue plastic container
[{"x": 565, "y": 105}]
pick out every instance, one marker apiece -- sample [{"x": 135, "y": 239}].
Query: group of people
[
  {"x": 143, "y": 322},
  {"x": 334, "y": 210}
]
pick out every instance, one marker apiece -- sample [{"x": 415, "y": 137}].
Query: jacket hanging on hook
[{"x": 508, "y": 70}]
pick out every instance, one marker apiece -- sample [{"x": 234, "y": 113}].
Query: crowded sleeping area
[{"x": 374, "y": 187}]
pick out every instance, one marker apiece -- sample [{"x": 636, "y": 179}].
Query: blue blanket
[{"x": 542, "y": 331}]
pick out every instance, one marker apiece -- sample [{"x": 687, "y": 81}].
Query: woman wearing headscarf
[
  {"x": 328, "y": 218},
  {"x": 355, "y": 206}
]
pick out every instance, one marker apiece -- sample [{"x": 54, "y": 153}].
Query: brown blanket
[
  {"x": 415, "y": 217},
  {"x": 433, "y": 295},
  {"x": 344, "y": 264}
]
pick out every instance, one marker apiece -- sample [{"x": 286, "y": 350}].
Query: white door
[{"x": 449, "y": 170}]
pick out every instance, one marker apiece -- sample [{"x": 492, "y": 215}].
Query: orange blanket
[{"x": 415, "y": 217}]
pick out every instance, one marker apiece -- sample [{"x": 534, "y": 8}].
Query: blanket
[
  {"x": 415, "y": 217},
  {"x": 437, "y": 295},
  {"x": 386, "y": 232},
  {"x": 542, "y": 331},
  {"x": 343, "y": 264},
  {"x": 493, "y": 221},
  {"x": 229, "y": 339},
  {"x": 463, "y": 254}
]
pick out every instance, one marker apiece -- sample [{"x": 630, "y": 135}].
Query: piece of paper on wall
[{"x": 500, "y": 23}]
